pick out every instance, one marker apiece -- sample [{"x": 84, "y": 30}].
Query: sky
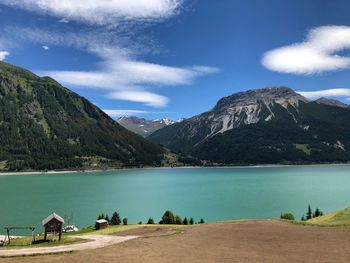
[{"x": 177, "y": 58}]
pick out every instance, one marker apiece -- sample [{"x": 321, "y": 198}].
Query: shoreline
[{"x": 169, "y": 167}]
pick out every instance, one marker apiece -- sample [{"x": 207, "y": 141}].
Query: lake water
[{"x": 211, "y": 193}]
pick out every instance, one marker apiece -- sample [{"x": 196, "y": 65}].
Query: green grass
[
  {"x": 339, "y": 218},
  {"x": 303, "y": 147},
  {"x": 40, "y": 242},
  {"x": 335, "y": 219},
  {"x": 116, "y": 229}
]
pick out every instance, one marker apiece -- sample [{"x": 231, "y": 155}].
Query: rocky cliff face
[
  {"x": 273, "y": 121},
  {"x": 249, "y": 107}
]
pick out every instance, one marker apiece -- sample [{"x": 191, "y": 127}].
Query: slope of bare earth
[{"x": 249, "y": 241}]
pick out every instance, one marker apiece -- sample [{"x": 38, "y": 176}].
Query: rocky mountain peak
[{"x": 280, "y": 95}]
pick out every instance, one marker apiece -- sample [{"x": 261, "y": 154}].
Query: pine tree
[
  {"x": 178, "y": 220},
  {"x": 115, "y": 220},
  {"x": 318, "y": 213},
  {"x": 150, "y": 221},
  {"x": 191, "y": 221},
  {"x": 309, "y": 213},
  {"x": 185, "y": 222},
  {"x": 201, "y": 221},
  {"x": 168, "y": 218}
]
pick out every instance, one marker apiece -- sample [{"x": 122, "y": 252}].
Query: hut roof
[
  {"x": 52, "y": 216},
  {"x": 101, "y": 221}
]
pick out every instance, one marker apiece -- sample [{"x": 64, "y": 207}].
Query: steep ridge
[{"x": 46, "y": 126}]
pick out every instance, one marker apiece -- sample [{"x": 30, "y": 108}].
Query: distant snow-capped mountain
[{"x": 143, "y": 126}]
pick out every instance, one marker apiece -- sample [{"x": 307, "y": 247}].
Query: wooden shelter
[
  {"x": 101, "y": 224},
  {"x": 53, "y": 224}
]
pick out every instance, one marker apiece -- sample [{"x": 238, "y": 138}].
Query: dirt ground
[{"x": 251, "y": 241}]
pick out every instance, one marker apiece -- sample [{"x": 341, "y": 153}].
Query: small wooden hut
[
  {"x": 101, "y": 224},
  {"x": 53, "y": 224}
]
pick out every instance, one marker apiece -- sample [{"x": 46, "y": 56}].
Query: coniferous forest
[{"x": 46, "y": 126}]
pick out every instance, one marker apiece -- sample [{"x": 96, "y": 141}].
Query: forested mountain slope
[{"x": 46, "y": 126}]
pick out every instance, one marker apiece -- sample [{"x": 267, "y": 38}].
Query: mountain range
[
  {"x": 264, "y": 126},
  {"x": 43, "y": 125}
]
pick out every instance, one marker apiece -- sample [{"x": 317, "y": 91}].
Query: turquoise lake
[{"x": 214, "y": 194}]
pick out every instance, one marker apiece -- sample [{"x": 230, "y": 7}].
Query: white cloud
[
  {"x": 3, "y": 55},
  {"x": 118, "y": 113},
  {"x": 147, "y": 97},
  {"x": 317, "y": 54},
  {"x": 325, "y": 93},
  {"x": 118, "y": 70},
  {"x": 123, "y": 72},
  {"x": 63, "y": 20},
  {"x": 101, "y": 12}
]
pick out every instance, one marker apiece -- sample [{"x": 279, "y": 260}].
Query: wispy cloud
[
  {"x": 63, "y": 20},
  {"x": 101, "y": 12},
  {"x": 3, "y": 55},
  {"x": 121, "y": 71},
  {"x": 118, "y": 113},
  {"x": 147, "y": 97},
  {"x": 317, "y": 54},
  {"x": 325, "y": 93}
]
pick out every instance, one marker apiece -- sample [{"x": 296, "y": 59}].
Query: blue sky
[{"x": 176, "y": 58}]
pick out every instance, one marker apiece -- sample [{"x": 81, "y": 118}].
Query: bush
[
  {"x": 150, "y": 221},
  {"x": 201, "y": 221},
  {"x": 125, "y": 221},
  {"x": 287, "y": 216}
]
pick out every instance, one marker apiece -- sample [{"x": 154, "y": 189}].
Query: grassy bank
[{"x": 26, "y": 242}]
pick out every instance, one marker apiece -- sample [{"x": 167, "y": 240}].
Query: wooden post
[
  {"x": 45, "y": 236},
  {"x": 33, "y": 236},
  {"x": 8, "y": 235}
]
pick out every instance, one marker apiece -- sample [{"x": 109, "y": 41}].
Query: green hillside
[
  {"x": 46, "y": 126},
  {"x": 339, "y": 218}
]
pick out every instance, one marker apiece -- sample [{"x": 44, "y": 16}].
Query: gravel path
[{"x": 97, "y": 241}]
